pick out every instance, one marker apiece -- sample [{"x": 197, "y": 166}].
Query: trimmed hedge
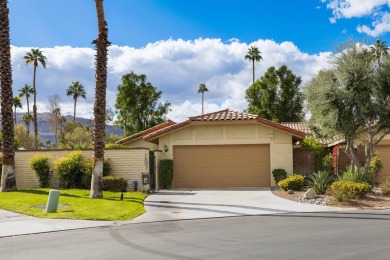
[
  {"x": 279, "y": 174},
  {"x": 292, "y": 182},
  {"x": 112, "y": 183},
  {"x": 166, "y": 173},
  {"x": 71, "y": 169},
  {"x": 42, "y": 168},
  {"x": 346, "y": 190}
]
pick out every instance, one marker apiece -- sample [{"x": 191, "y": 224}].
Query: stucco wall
[
  {"x": 126, "y": 163},
  {"x": 141, "y": 143},
  {"x": 281, "y": 150}
]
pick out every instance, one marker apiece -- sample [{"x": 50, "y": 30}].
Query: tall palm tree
[
  {"x": 8, "y": 180},
  {"x": 378, "y": 50},
  {"x": 27, "y": 91},
  {"x": 202, "y": 89},
  {"x": 76, "y": 90},
  {"x": 27, "y": 119},
  {"x": 17, "y": 102},
  {"x": 100, "y": 102},
  {"x": 35, "y": 57},
  {"x": 254, "y": 55}
]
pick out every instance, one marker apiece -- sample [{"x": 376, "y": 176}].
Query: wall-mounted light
[
  {"x": 271, "y": 136},
  {"x": 165, "y": 148},
  {"x": 146, "y": 159}
]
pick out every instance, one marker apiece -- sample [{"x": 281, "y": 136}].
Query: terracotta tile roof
[
  {"x": 224, "y": 115},
  {"x": 146, "y": 132}
]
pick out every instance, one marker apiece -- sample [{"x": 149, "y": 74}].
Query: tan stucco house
[{"x": 226, "y": 148}]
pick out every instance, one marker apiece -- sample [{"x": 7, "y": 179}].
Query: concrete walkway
[{"x": 181, "y": 204}]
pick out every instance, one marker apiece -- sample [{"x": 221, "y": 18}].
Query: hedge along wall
[
  {"x": 128, "y": 163},
  {"x": 157, "y": 154}
]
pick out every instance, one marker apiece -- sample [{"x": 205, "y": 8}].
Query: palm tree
[
  {"x": 35, "y": 57},
  {"x": 26, "y": 91},
  {"x": 17, "y": 102},
  {"x": 76, "y": 90},
  {"x": 202, "y": 89},
  {"x": 378, "y": 50},
  {"x": 8, "y": 180},
  {"x": 100, "y": 103},
  {"x": 27, "y": 119},
  {"x": 254, "y": 55}
]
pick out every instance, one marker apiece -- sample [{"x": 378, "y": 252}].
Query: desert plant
[
  {"x": 279, "y": 174},
  {"x": 375, "y": 166},
  {"x": 320, "y": 181},
  {"x": 70, "y": 170},
  {"x": 385, "y": 188},
  {"x": 113, "y": 183},
  {"x": 166, "y": 173},
  {"x": 42, "y": 168},
  {"x": 346, "y": 190},
  {"x": 356, "y": 176},
  {"x": 292, "y": 182}
]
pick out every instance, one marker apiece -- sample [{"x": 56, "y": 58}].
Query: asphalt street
[{"x": 341, "y": 235}]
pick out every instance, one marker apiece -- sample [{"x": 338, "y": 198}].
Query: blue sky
[{"x": 181, "y": 43}]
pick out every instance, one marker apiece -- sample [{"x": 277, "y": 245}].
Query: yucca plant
[{"x": 320, "y": 181}]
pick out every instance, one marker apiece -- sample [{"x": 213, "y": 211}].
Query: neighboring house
[
  {"x": 226, "y": 148},
  {"x": 136, "y": 140}
]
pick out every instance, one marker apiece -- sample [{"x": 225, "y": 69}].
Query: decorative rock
[
  {"x": 290, "y": 192},
  {"x": 310, "y": 194}
]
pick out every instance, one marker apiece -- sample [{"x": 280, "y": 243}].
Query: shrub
[
  {"x": 322, "y": 156},
  {"x": 346, "y": 190},
  {"x": 320, "y": 181},
  {"x": 279, "y": 174},
  {"x": 70, "y": 170},
  {"x": 113, "y": 146},
  {"x": 357, "y": 176},
  {"x": 112, "y": 183},
  {"x": 385, "y": 188},
  {"x": 375, "y": 166},
  {"x": 292, "y": 182},
  {"x": 166, "y": 173},
  {"x": 42, "y": 168}
]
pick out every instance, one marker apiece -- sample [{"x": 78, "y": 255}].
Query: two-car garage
[{"x": 216, "y": 166}]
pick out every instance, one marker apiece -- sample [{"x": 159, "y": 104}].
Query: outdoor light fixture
[
  {"x": 271, "y": 136},
  {"x": 165, "y": 148}
]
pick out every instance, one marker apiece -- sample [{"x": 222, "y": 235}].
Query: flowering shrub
[
  {"x": 346, "y": 190},
  {"x": 292, "y": 182}
]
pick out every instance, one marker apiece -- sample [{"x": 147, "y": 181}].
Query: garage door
[
  {"x": 214, "y": 166},
  {"x": 384, "y": 154}
]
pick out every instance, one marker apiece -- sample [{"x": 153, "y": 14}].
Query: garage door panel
[
  {"x": 384, "y": 154},
  {"x": 221, "y": 166}
]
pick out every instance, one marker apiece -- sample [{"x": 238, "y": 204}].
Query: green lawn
[{"x": 75, "y": 204}]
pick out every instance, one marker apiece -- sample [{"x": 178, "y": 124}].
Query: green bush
[
  {"x": 357, "y": 176},
  {"x": 71, "y": 169},
  {"x": 166, "y": 173},
  {"x": 42, "y": 168},
  {"x": 112, "y": 183},
  {"x": 346, "y": 190},
  {"x": 292, "y": 182},
  {"x": 320, "y": 181},
  {"x": 322, "y": 156},
  {"x": 113, "y": 146},
  {"x": 375, "y": 166},
  {"x": 279, "y": 174},
  {"x": 385, "y": 188}
]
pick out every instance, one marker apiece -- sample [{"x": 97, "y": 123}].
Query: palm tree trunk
[
  {"x": 202, "y": 103},
  {"x": 253, "y": 70},
  {"x": 15, "y": 115},
  {"x": 35, "y": 116},
  {"x": 74, "y": 111},
  {"x": 28, "y": 122},
  {"x": 8, "y": 180},
  {"x": 100, "y": 103}
]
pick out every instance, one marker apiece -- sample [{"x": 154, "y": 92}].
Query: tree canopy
[
  {"x": 351, "y": 97},
  {"x": 276, "y": 96},
  {"x": 138, "y": 104}
]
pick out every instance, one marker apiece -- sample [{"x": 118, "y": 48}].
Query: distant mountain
[{"x": 47, "y": 133}]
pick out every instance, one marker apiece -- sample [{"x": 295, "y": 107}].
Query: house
[{"x": 226, "y": 148}]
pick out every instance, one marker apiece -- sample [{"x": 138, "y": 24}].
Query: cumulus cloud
[
  {"x": 176, "y": 67},
  {"x": 377, "y": 10}
]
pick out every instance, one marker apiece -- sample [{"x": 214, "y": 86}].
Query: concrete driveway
[{"x": 178, "y": 204}]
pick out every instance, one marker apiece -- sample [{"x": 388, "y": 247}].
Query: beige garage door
[
  {"x": 214, "y": 166},
  {"x": 384, "y": 154}
]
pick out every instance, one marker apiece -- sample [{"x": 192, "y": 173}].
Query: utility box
[{"x": 52, "y": 201}]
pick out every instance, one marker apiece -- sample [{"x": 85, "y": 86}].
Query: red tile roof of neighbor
[
  {"x": 224, "y": 115},
  {"x": 145, "y": 132}
]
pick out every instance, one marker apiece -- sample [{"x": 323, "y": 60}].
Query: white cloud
[
  {"x": 176, "y": 67},
  {"x": 375, "y": 9}
]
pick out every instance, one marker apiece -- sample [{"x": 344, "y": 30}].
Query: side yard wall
[
  {"x": 304, "y": 161},
  {"x": 126, "y": 163}
]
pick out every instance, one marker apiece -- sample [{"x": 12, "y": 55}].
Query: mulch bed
[{"x": 373, "y": 200}]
